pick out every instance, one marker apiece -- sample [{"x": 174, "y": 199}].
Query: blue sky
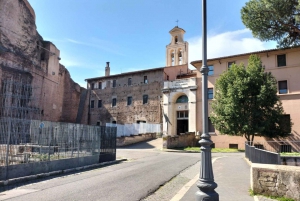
[{"x": 133, "y": 34}]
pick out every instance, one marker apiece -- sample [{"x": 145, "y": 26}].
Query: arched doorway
[{"x": 182, "y": 114}]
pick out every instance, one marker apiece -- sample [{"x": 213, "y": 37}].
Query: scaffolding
[
  {"x": 18, "y": 100},
  {"x": 24, "y": 138},
  {"x": 18, "y": 106}
]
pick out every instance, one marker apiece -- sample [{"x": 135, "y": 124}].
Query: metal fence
[
  {"x": 30, "y": 141},
  {"x": 135, "y": 129},
  {"x": 278, "y": 146},
  {"x": 256, "y": 155}
]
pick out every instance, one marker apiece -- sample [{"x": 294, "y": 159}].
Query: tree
[
  {"x": 277, "y": 20},
  {"x": 246, "y": 103}
]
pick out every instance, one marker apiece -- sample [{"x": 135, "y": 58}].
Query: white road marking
[
  {"x": 188, "y": 185},
  {"x": 15, "y": 193}
]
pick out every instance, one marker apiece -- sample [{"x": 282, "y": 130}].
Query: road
[{"x": 146, "y": 170}]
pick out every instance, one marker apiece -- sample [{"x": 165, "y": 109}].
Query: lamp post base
[{"x": 207, "y": 196}]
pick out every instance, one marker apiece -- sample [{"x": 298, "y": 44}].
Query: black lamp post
[{"x": 206, "y": 182}]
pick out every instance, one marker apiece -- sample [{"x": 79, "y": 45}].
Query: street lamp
[{"x": 206, "y": 182}]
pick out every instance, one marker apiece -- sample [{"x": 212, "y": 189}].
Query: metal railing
[
  {"x": 256, "y": 155},
  {"x": 135, "y": 129},
  {"x": 278, "y": 146}
]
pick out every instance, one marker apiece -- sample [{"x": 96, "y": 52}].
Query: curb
[
  {"x": 183, "y": 151},
  {"x": 43, "y": 175},
  {"x": 262, "y": 198}
]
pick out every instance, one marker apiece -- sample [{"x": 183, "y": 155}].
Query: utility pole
[{"x": 206, "y": 182}]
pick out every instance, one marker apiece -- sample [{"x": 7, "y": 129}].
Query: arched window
[
  {"x": 172, "y": 58},
  {"x": 180, "y": 57},
  {"x": 182, "y": 99},
  {"x": 176, "y": 39}
]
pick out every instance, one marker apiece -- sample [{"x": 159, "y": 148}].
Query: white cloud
[
  {"x": 226, "y": 44},
  {"x": 99, "y": 44},
  {"x": 69, "y": 63}
]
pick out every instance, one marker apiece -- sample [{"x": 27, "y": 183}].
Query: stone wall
[
  {"x": 276, "y": 180},
  {"x": 71, "y": 98},
  {"x": 128, "y": 140},
  {"x": 25, "y": 57},
  {"x": 123, "y": 113},
  {"x": 179, "y": 141}
]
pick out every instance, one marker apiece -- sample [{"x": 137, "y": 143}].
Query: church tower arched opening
[{"x": 177, "y": 50}]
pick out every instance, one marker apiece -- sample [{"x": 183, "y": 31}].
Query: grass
[
  {"x": 215, "y": 150},
  {"x": 290, "y": 154},
  {"x": 272, "y": 197}
]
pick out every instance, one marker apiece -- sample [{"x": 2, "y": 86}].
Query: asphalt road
[{"x": 146, "y": 170}]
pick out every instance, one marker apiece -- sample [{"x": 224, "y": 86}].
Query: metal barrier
[
  {"x": 278, "y": 146},
  {"x": 30, "y": 141},
  {"x": 256, "y": 155}
]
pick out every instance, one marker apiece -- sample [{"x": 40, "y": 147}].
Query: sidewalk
[{"x": 232, "y": 174}]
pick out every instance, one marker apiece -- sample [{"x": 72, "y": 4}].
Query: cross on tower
[{"x": 177, "y": 22}]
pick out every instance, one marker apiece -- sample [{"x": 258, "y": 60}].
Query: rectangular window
[
  {"x": 145, "y": 80},
  {"x": 211, "y": 70},
  {"x": 230, "y": 64},
  {"x": 99, "y": 103},
  {"x": 100, "y": 85},
  {"x": 281, "y": 60},
  {"x": 210, "y": 93},
  {"x": 114, "y": 83},
  {"x": 140, "y": 121},
  {"x": 145, "y": 99},
  {"x": 114, "y": 102},
  {"x": 168, "y": 77},
  {"x": 182, "y": 114},
  {"x": 211, "y": 127},
  {"x": 285, "y": 123},
  {"x": 285, "y": 148},
  {"x": 233, "y": 146},
  {"x": 282, "y": 87},
  {"x": 98, "y": 123},
  {"x": 129, "y": 100},
  {"x": 129, "y": 81},
  {"x": 92, "y": 103},
  {"x": 92, "y": 86}
]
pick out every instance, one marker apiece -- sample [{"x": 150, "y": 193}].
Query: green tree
[
  {"x": 246, "y": 103},
  {"x": 277, "y": 20}
]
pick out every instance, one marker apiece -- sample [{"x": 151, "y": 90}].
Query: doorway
[
  {"x": 182, "y": 126},
  {"x": 182, "y": 122}
]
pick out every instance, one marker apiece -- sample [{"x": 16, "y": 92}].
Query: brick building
[{"x": 135, "y": 97}]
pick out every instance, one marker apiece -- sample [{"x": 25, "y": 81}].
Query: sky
[{"x": 132, "y": 34}]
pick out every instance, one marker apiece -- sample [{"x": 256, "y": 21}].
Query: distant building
[{"x": 135, "y": 97}]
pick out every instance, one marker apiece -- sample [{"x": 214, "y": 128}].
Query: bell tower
[{"x": 177, "y": 50}]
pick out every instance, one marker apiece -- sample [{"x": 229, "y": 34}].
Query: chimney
[{"x": 107, "y": 69}]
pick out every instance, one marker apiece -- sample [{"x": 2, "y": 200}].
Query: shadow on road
[{"x": 150, "y": 144}]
